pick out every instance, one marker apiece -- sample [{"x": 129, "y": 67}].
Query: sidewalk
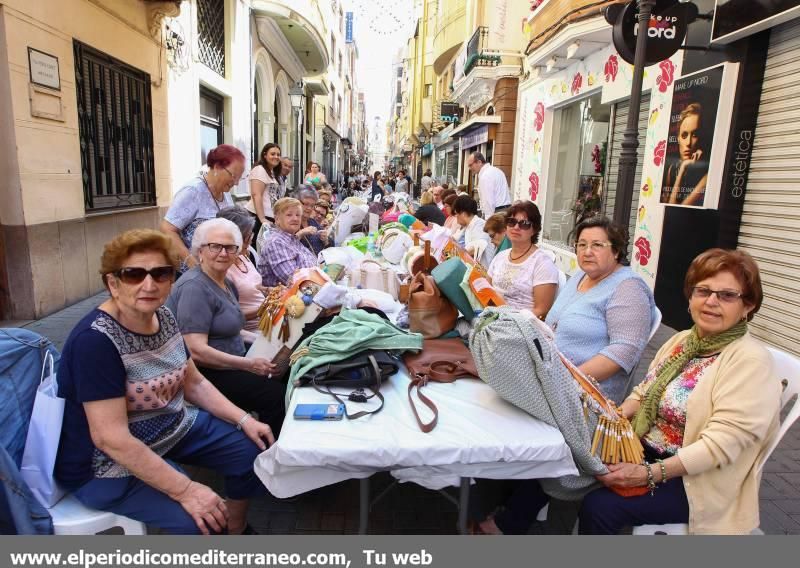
[{"x": 410, "y": 509}]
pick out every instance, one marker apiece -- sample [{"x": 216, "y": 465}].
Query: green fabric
[
  {"x": 474, "y": 303},
  {"x": 693, "y": 346},
  {"x": 504, "y": 244},
  {"x": 349, "y": 333}
]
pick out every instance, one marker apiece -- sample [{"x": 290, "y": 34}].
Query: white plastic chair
[
  {"x": 787, "y": 368},
  {"x": 71, "y": 517}
]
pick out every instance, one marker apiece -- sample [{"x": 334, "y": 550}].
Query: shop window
[
  {"x": 575, "y": 181},
  {"x": 211, "y": 122},
  {"x": 211, "y": 34},
  {"x": 115, "y": 129}
]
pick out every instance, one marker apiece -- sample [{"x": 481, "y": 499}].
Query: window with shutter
[{"x": 115, "y": 129}]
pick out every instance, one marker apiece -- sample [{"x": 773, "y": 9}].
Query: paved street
[{"x": 409, "y": 509}]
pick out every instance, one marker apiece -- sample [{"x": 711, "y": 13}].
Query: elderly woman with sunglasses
[
  {"x": 206, "y": 305},
  {"x": 126, "y": 376},
  {"x": 705, "y": 414},
  {"x": 524, "y": 274},
  {"x": 202, "y": 198}
]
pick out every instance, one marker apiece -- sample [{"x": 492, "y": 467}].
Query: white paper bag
[{"x": 44, "y": 433}]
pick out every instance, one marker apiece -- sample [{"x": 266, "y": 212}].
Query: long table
[{"x": 479, "y": 435}]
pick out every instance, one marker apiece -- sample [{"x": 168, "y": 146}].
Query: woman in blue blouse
[{"x": 602, "y": 320}]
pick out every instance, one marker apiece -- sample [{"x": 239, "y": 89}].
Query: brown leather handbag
[
  {"x": 440, "y": 361},
  {"x": 429, "y": 311}
]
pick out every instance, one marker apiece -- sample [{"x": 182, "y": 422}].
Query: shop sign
[
  {"x": 735, "y": 19},
  {"x": 348, "y": 27},
  {"x": 666, "y": 30},
  {"x": 427, "y": 150},
  {"x": 451, "y": 112},
  {"x": 693, "y": 115},
  {"x": 43, "y": 69},
  {"x": 475, "y": 137}
]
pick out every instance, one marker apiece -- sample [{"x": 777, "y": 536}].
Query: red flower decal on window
[
  {"x": 643, "y": 251},
  {"x": 659, "y": 152},
  {"x": 664, "y": 80},
  {"x": 577, "y": 83},
  {"x": 538, "y": 113},
  {"x": 534, "y": 179},
  {"x": 611, "y": 68}
]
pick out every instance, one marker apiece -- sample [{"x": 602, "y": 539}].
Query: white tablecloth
[{"x": 478, "y": 435}]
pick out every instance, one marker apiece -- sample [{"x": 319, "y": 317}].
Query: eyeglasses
[
  {"x": 233, "y": 178},
  {"x": 216, "y": 248},
  {"x": 136, "y": 274},
  {"x": 727, "y": 296},
  {"x": 596, "y": 246},
  {"x": 491, "y": 235},
  {"x": 524, "y": 225}
]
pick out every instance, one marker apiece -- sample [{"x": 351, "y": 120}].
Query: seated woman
[
  {"x": 126, "y": 376},
  {"x": 322, "y": 214},
  {"x": 206, "y": 306},
  {"x": 524, "y": 274},
  {"x": 470, "y": 233},
  {"x": 450, "y": 221},
  {"x": 428, "y": 211},
  {"x": 312, "y": 235},
  {"x": 242, "y": 272},
  {"x": 705, "y": 413},
  {"x": 495, "y": 227},
  {"x": 283, "y": 252}
]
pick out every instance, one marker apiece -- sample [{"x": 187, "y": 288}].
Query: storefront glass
[{"x": 575, "y": 184}]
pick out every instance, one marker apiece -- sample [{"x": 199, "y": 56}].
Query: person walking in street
[
  {"x": 427, "y": 181},
  {"x": 402, "y": 184},
  {"x": 492, "y": 185}
]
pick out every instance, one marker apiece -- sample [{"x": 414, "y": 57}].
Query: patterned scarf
[{"x": 693, "y": 346}]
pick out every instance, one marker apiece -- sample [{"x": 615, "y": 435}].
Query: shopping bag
[{"x": 44, "y": 433}]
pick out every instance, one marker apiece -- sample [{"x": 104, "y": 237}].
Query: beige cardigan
[{"x": 731, "y": 415}]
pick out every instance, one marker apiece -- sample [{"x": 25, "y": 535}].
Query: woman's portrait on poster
[{"x": 687, "y": 173}]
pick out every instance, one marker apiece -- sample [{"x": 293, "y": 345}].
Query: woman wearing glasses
[
  {"x": 202, "y": 198},
  {"x": 524, "y": 274},
  {"x": 705, "y": 412},
  {"x": 602, "y": 320},
  {"x": 126, "y": 376},
  {"x": 206, "y": 305}
]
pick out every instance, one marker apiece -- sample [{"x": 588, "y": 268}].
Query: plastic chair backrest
[
  {"x": 787, "y": 368},
  {"x": 656, "y": 323}
]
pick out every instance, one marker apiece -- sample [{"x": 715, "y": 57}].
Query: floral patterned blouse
[{"x": 666, "y": 435}]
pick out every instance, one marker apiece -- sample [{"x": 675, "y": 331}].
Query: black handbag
[{"x": 367, "y": 370}]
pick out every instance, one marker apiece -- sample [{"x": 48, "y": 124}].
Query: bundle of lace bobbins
[
  {"x": 614, "y": 440},
  {"x": 269, "y": 310}
]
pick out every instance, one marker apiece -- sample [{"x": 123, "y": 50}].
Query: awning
[{"x": 474, "y": 122}]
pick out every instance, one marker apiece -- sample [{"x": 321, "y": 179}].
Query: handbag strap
[
  {"x": 376, "y": 392},
  {"x": 420, "y": 381}
]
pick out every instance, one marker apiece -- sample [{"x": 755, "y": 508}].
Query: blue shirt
[{"x": 612, "y": 319}]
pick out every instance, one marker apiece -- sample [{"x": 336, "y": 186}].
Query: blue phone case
[{"x": 319, "y": 412}]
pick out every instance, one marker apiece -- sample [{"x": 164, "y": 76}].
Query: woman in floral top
[{"x": 705, "y": 413}]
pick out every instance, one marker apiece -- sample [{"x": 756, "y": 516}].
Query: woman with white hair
[{"x": 206, "y": 305}]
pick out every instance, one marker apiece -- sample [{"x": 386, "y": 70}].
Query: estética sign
[{"x": 666, "y": 29}]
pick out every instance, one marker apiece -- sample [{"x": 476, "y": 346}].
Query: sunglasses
[
  {"x": 524, "y": 225},
  {"x": 136, "y": 274}
]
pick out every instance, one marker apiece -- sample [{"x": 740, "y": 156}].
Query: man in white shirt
[
  {"x": 437, "y": 196},
  {"x": 492, "y": 185}
]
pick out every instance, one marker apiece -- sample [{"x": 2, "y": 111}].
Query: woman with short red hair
[{"x": 202, "y": 198}]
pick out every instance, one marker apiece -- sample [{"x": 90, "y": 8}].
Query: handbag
[
  {"x": 44, "y": 434},
  {"x": 429, "y": 312},
  {"x": 372, "y": 275},
  {"x": 448, "y": 277},
  {"x": 440, "y": 361},
  {"x": 368, "y": 369}
]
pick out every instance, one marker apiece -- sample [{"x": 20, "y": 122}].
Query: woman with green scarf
[{"x": 705, "y": 413}]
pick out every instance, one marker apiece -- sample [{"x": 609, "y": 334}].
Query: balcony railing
[{"x": 476, "y": 51}]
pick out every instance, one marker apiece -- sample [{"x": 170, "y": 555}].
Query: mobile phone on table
[{"x": 319, "y": 412}]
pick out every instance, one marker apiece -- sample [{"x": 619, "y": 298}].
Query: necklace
[
  {"x": 211, "y": 193},
  {"x": 520, "y": 256}
]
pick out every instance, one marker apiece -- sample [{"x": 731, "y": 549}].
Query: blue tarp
[{"x": 22, "y": 354}]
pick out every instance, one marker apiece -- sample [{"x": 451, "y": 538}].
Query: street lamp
[{"x": 297, "y": 97}]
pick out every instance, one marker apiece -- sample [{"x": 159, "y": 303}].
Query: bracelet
[
  {"x": 242, "y": 420},
  {"x": 651, "y": 483},
  {"x": 663, "y": 471}
]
